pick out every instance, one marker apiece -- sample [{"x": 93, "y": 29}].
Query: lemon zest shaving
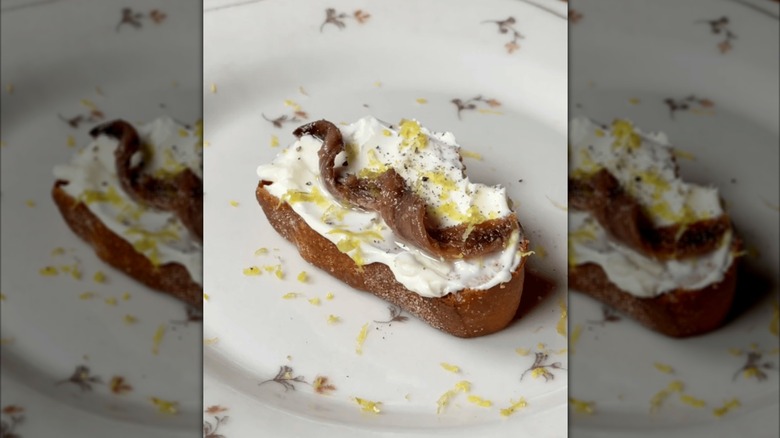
[
  {"x": 252, "y": 271},
  {"x": 129, "y": 319},
  {"x": 368, "y": 405},
  {"x": 86, "y": 295},
  {"x": 679, "y": 153},
  {"x": 561, "y": 326},
  {"x": 692, "y": 401},
  {"x": 99, "y": 277},
  {"x": 583, "y": 406},
  {"x": 449, "y": 367},
  {"x": 157, "y": 338},
  {"x": 574, "y": 337},
  {"x": 49, "y": 271},
  {"x": 444, "y": 400},
  {"x": 727, "y": 406},
  {"x": 514, "y": 407},
  {"x": 413, "y": 137},
  {"x": 361, "y": 338},
  {"x": 166, "y": 407},
  {"x": 470, "y": 154},
  {"x": 479, "y": 401}
]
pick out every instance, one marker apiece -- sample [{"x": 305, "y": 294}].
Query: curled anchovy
[
  {"x": 181, "y": 194},
  {"x": 404, "y": 211},
  {"x": 621, "y": 214}
]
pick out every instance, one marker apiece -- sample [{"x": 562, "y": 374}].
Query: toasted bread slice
[
  {"x": 135, "y": 195},
  {"x": 172, "y": 278},
  {"x": 678, "y": 313},
  {"x": 467, "y": 313},
  {"x": 658, "y": 248}
]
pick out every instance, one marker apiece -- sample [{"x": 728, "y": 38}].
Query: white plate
[
  {"x": 259, "y": 55},
  {"x": 627, "y": 58},
  {"x": 54, "y": 54}
]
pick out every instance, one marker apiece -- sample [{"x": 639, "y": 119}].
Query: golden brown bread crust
[
  {"x": 172, "y": 278},
  {"x": 467, "y": 313},
  {"x": 619, "y": 213},
  {"x": 679, "y": 313}
]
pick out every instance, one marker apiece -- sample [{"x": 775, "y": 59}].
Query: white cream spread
[
  {"x": 644, "y": 165},
  {"x": 92, "y": 179},
  {"x": 430, "y": 164},
  {"x": 636, "y": 273}
]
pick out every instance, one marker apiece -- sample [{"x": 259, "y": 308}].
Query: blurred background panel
[
  {"x": 87, "y": 351},
  {"x": 706, "y": 74}
]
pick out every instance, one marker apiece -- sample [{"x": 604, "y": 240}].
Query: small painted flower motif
[
  {"x": 298, "y": 115},
  {"x": 285, "y": 378},
  {"x": 135, "y": 19},
  {"x": 507, "y": 27},
  {"x": 81, "y": 377},
  {"x": 691, "y": 103},
  {"x": 157, "y": 16},
  {"x": 753, "y": 368},
  {"x": 337, "y": 18},
  {"x": 720, "y": 26},
  {"x": 215, "y": 409},
  {"x": 321, "y": 385},
  {"x": 474, "y": 104},
  {"x": 118, "y": 385},
  {"x": 94, "y": 115},
  {"x": 540, "y": 369},
  {"x": 13, "y": 416},
  {"x": 210, "y": 429}
]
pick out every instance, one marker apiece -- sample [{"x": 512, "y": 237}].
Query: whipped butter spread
[
  {"x": 92, "y": 179},
  {"x": 429, "y": 163},
  {"x": 644, "y": 166}
]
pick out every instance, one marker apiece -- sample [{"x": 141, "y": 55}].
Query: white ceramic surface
[
  {"x": 627, "y": 59},
  {"x": 67, "y": 59},
  {"x": 265, "y": 60}
]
